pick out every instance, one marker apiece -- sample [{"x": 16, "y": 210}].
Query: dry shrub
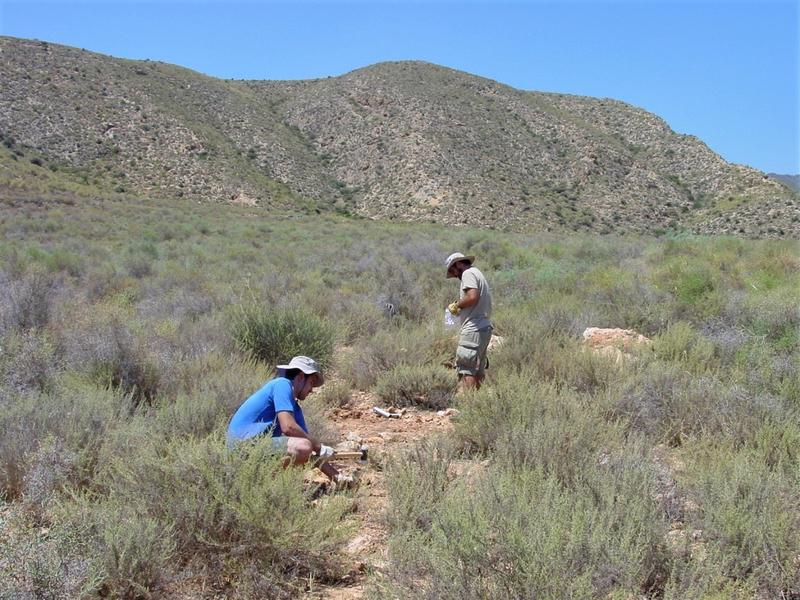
[
  {"x": 104, "y": 346},
  {"x": 48, "y": 470},
  {"x": 28, "y": 302},
  {"x": 392, "y": 347},
  {"x": 222, "y": 503},
  {"x": 28, "y": 361},
  {"x": 78, "y": 418},
  {"x": 426, "y": 386},
  {"x": 39, "y": 563},
  {"x": 318, "y": 424},
  {"x": 668, "y": 404},
  {"x": 513, "y": 531},
  {"x": 334, "y": 394}
]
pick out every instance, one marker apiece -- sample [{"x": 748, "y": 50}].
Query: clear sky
[{"x": 723, "y": 70}]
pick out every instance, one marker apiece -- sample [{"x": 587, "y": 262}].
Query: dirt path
[{"x": 384, "y": 437}]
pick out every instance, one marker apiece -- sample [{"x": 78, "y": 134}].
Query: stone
[
  {"x": 495, "y": 342},
  {"x": 448, "y": 412}
]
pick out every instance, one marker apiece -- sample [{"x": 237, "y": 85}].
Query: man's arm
[
  {"x": 471, "y": 297},
  {"x": 290, "y": 428}
]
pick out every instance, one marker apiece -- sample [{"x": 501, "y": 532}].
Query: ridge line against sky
[{"x": 725, "y": 71}]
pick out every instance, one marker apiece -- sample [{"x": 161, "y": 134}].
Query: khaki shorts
[{"x": 471, "y": 352}]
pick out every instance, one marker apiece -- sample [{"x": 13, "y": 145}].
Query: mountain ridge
[{"x": 402, "y": 140}]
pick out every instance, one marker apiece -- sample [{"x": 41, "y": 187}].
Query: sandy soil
[{"x": 384, "y": 436}]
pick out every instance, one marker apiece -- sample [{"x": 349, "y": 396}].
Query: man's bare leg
[{"x": 467, "y": 383}]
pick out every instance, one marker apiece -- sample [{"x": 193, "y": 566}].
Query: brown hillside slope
[{"x": 406, "y": 140}]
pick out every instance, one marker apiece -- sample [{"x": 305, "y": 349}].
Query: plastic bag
[{"x": 450, "y": 320}]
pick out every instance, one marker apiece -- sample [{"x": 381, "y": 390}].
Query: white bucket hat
[
  {"x": 306, "y": 365},
  {"x": 454, "y": 258}
]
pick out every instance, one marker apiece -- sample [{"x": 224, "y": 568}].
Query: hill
[
  {"x": 405, "y": 141},
  {"x": 792, "y": 181}
]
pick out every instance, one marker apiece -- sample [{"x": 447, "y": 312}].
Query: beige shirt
[{"x": 476, "y": 317}]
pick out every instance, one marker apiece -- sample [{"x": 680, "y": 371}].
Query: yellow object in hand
[{"x": 454, "y": 309}]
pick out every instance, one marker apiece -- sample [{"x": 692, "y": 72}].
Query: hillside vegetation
[
  {"x": 405, "y": 141},
  {"x": 130, "y": 332}
]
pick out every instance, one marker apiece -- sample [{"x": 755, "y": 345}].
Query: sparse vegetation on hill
[
  {"x": 673, "y": 473},
  {"x": 405, "y": 141}
]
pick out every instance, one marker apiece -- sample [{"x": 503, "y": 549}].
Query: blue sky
[{"x": 725, "y": 71}]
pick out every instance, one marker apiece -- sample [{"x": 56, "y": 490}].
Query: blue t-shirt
[{"x": 259, "y": 411}]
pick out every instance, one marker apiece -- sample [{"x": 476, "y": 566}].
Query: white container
[{"x": 450, "y": 320}]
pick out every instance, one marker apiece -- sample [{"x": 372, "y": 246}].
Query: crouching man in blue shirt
[{"x": 275, "y": 410}]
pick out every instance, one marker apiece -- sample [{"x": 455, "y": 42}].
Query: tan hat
[
  {"x": 306, "y": 365},
  {"x": 454, "y": 258}
]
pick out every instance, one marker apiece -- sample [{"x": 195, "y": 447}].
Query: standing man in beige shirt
[{"x": 474, "y": 307}]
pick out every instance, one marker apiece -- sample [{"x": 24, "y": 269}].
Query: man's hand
[
  {"x": 453, "y": 308},
  {"x": 325, "y": 451},
  {"x": 344, "y": 481}
]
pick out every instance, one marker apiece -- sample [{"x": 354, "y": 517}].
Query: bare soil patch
[{"x": 385, "y": 437}]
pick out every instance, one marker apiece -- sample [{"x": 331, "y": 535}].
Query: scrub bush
[
  {"x": 669, "y": 405},
  {"x": 418, "y": 480},
  {"x": 48, "y": 471},
  {"x": 28, "y": 361},
  {"x": 392, "y": 347},
  {"x": 77, "y": 416},
  {"x": 683, "y": 344},
  {"x": 750, "y": 518},
  {"x": 425, "y": 386},
  {"x": 104, "y": 346},
  {"x": 222, "y": 503},
  {"x": 334, "y": 394},
  {"x": 28, "y": 302},
  {"x": 129, "y": 552},
  {"x": 535, "y": 423},
  {"x": 274, "y": 336},
  {"x": 196, "y": 414},
  {"x": 37, "y": 563},
  {"x": 514, "y": 532}
]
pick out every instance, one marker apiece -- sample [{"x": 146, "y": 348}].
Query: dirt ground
[{"x": 359, "y": 424}]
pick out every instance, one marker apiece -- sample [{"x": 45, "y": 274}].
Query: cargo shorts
[{"x": 471, "y": 353}]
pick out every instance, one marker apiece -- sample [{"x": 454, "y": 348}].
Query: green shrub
[
  {"x": 196, "y": 414},
  {"x": 220, "y": 502},
  {"x": 28, "y": 361},
  {"x": 105, "y": 346},
  {"x": 426, "y": 386},
  {"x": 138, "y": 260},
  {"x": 683, "y": 344},
  {"x": 513, "y": 532},
  {"x": 391, "y": 347},
  {"x": 274, "y": 336},
  {"x": 40, "y": 563},
  {"x": 130, "y": 551},
  {"x": 750, "y": 517},
  {"x": 528, "y": 423},
  {"x": 334, "y": 394},
  {"x": 550, "y": 354},
  {"x": 418, "y": 479},
  {"x": 76, "y": 415},
  {"x": 666, "y": 403},
  {"x": 65, "y": 260}
]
